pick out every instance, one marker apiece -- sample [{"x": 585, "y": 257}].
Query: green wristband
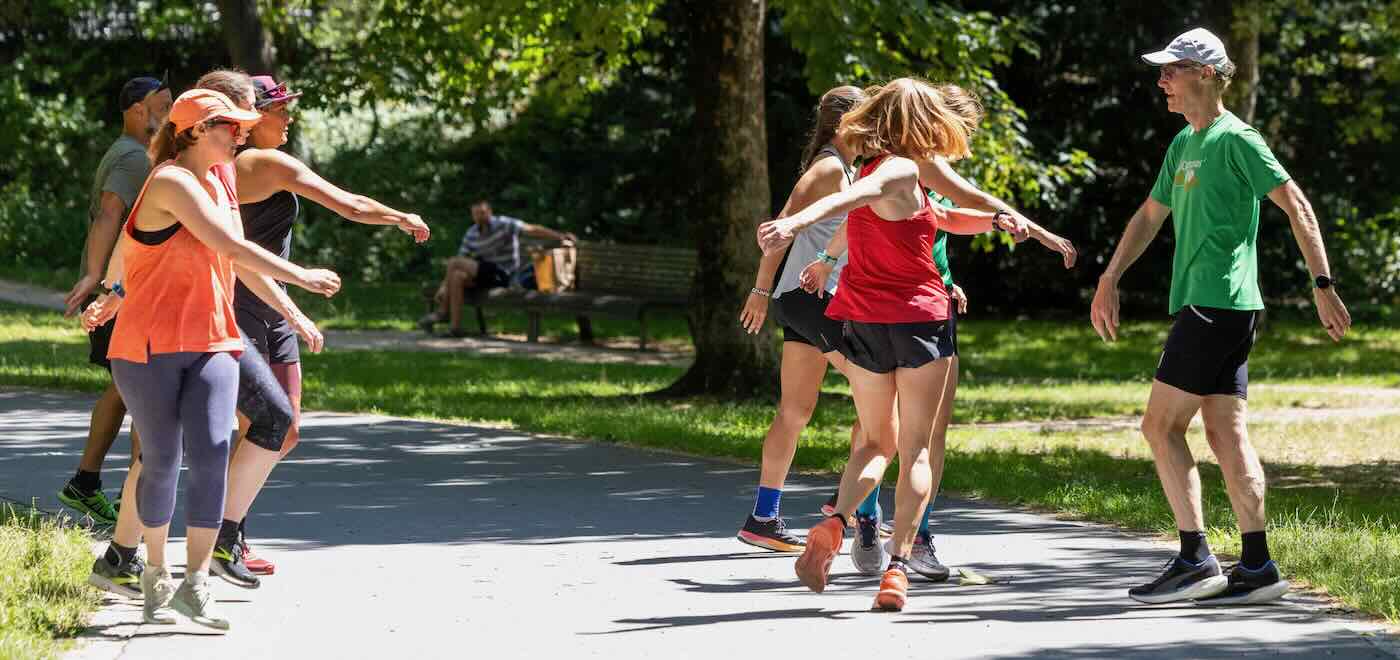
[{"x": 824, "y": 257}]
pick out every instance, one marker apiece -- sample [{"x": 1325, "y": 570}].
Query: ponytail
[
  {"x": 833, "y": 104},
  {"x": 167, "y": 144}
]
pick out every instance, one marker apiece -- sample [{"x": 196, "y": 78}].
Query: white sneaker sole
[
  {"x": 1203, "y": 589},
  {"x": 215, "y": 569},
  {"x": 1269, "y": 594},
  {"x": 220, "y": 625}
]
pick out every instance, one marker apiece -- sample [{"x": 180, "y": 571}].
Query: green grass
[
  {"x": 1333, "y": 482},
  {"x": 43, "y": 592}
]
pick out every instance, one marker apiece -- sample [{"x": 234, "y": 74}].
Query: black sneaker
[
  {"x": 770, "y": 535},
  {"x": 122, "y": 580},
  {"x": 228, "y": 564},
  {"x": 1250, "y": 587},
  {"x": 924, "y": 560},
  {"x": 1182, "y": 580}
]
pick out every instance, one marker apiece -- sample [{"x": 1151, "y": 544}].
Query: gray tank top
[{"x": 813, "y": 240}]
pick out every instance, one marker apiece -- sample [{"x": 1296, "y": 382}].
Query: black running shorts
[
  {"x": 804, "y": 320},
  {"x": 884, "y": 347},
  {"x": 99, "y": 340},
  {"x": 274, "y": 338},
  {"x": 1207, "y": 351}
]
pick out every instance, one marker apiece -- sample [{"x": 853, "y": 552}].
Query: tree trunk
[
  {"x": 730, "y": 193},
  {"x": 1239, "y": 23},
  {"x": 249, "y": 43}
]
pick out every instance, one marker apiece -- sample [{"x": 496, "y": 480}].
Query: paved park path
[{"x": 405, "y": 539}]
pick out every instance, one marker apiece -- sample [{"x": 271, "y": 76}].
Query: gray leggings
[{"x": 181, "y": 403}]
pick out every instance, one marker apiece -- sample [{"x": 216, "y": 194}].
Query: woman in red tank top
[{"x": 892, "y": 300}]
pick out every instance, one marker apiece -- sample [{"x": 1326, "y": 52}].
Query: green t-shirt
[
  {"x": 121, "y": 171},
  {"x": 1212, "y": 180},
  {"x": 940, "y": 242}
]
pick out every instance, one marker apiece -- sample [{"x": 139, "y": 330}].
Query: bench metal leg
[
  {"x": 481, "y": 320},
  {"x": 585, "y": 330},
  {"x": 534, "y": 332}
]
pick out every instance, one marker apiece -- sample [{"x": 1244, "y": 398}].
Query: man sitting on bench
[{"x": 489, "y": 257}]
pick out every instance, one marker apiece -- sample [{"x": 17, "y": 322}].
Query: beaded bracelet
[
  {"x": 824, "y": 257},
  {"x": 762, "y": 292}
]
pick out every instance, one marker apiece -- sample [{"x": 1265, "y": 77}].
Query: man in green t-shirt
[
  {"x": 144, "y": 103},
  {"x": 1215, "y": 172}
]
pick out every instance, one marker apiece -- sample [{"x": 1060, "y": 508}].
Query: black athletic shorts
[
  {"x": 99, "y": 340},
  {"x": 884, "y": 347},
  {"x": 953, "y": 327},
  {"x": 804, "y": 320},
  {"x": 274, "y": 338},
  {"x": 1207, "y": 351}
]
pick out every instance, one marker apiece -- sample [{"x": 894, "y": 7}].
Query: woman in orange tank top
[{"x": 174, "y": 344}]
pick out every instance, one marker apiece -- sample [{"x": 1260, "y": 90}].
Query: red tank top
[
  {"x": 179, "y": 293},
  {"x": 890, "y": 276}
]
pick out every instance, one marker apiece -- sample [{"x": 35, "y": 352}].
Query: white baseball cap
[{"x": 1198, "y": 45}]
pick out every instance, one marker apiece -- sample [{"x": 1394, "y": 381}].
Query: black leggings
[{"x": 263, "y": 401}]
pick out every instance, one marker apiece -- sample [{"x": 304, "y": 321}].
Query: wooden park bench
[{"x": 623, "y": 281}]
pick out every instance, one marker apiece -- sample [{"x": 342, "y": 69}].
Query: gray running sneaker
[
  {"x": 122, "y": 580},
  {"x": 194, "y": 600},
  {"x": 867, "y": 552},
  {"x": 924, "y": 560},
  {"x": 156, "y": 591}
]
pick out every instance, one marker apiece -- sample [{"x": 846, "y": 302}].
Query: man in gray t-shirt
[
  {"x": 144, "y": 103},
  {"x": 489, "y": 257}
]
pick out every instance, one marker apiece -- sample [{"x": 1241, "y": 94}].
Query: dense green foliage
[{"x": 576, "y": 115}]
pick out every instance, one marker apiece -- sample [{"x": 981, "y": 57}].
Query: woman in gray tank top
[{"x": 809, "y": 337}]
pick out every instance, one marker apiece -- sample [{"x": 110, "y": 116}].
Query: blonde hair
[{"x": 910, "y": 117}]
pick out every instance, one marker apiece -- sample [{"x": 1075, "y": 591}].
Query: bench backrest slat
[{"x": 642, "y": 271}]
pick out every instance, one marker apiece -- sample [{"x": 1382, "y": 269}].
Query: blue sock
[
  {"x": 766, "y": 505},
  {"x": 923, "y": 520},
  {"x": 867, "y": 507}
]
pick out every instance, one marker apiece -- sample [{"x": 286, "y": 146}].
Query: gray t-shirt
[
  {"x": 499, "y": 244},
  {"x": 122, "y": 171},
  {"x": 812, "y": 240}
]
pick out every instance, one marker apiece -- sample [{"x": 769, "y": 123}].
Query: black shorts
[
  {"x": 953, "y": 327},
  {"x": 99, "y": 340},
  {"x": 490, "y": 276},
  {"x": 803, "y": 318},
  {"x": 1207, "y": 351},
  {"x": 274, "y": 338},
  {"x": 884, "y": 347}
]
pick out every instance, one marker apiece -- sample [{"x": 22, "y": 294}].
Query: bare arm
[
  {"x": 101, "y": 239},
  {"x": 939, "y": 174},
  {"x": 1143, "y": 227},
  {"x": 179, "y": 195},
  {"x": 282, "y": 171},
  {"x": 1330, "y": 309},
  {"x": 266, "y": 289},
  {"x": 894, "y": 178},
  {"x": 541, "y": 231}
]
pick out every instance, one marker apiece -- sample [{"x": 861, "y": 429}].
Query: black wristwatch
[{"x": 1324, "y": 282}]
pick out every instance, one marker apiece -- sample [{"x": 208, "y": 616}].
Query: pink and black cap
[{"x": 270, "y": 92}]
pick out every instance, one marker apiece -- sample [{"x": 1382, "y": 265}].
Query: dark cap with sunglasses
[{"x": 137, "y": 89}]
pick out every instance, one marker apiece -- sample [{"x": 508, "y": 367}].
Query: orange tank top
[{"x": 179, "y": 294}]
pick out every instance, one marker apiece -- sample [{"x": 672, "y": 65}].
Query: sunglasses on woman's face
[
  {"x": 234, "y": 132},
  {"x": 1170, "y": 71}
]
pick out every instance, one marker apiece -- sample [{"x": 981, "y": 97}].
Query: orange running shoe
[
  {"x": 823, "y": 544},
  {"x": 894, "y": 591}
]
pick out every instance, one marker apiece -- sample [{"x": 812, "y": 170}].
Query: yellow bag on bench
[{"x": 555, "y": 269}]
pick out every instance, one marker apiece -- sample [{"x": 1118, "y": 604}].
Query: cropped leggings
[
  {"x": 183, "y": 405},
  {"x": 263, "y": 400}
]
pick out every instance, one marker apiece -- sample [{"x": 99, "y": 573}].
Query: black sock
[
  {"x": 228, "y": 532},
  {"x": 899, "y": 563},
  {"x": 119, "y": 555},
  {"x": 844, "y": 522},
  {"x": 243, "y": 526},
  {"x": 1255, "y": 551},
  {"x": 1193, "y": 546},
  {"x": 87, "y": 482}
]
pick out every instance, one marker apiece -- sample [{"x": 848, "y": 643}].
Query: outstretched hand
[
  {"x": 814, "y": 276},
  {"x": 307, "y": 330},
  {"x": 775, "y": 235},
  {"x": 101, "y": 311},
  {"x": 1332, "y": 312},
  {"x": 1063, "y": 246},
  {"x": 414, "y": 226},
  {"x": 321, "y": 281}
]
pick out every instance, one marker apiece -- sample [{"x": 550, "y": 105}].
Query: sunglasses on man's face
[{"x": 1170, "y": 71}]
